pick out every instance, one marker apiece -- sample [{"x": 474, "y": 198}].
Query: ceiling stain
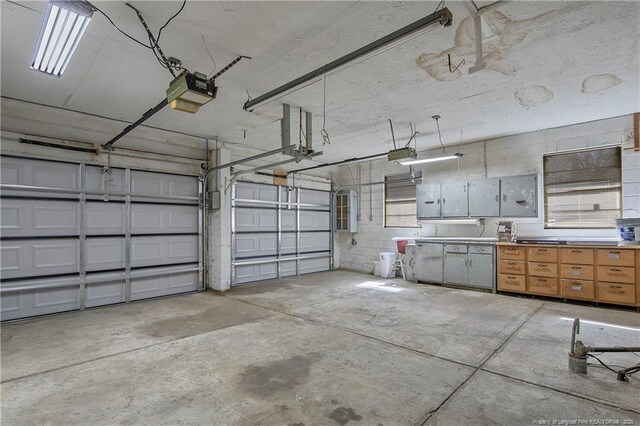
[
  {"x": 599, "y": 82},
  {"x": 533, "y": 95},
  {"x": 501, "y": 36}
]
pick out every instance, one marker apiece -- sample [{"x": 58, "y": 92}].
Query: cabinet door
[
  {"x": 455, "y": 202},
  {"x": 455, "y": 268},
  {"x": 481, "y": 270},
  {"x": 428, "y": 200},
  {"x": 519, "y": 196},
  {"x": 429, "y": 262},
  {"x": 484, "y": 198}
]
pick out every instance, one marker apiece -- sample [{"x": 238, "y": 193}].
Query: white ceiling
[{"x": 538, "y": 57}]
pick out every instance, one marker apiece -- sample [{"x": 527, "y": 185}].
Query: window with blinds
[
  {"x": 582, "y": 189},
  {"x": 400, "y": 200}
]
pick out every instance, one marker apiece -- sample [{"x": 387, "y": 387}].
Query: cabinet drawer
[
  {"x": 541, "y": 269},
  {"x": 615, "y": 257},
  {"x": 508, "y": 282},
  {"x": 512, "y": 253},
  {"x": 617, "y": 274},
  {"x": 576, "y": 256},
  {"x": 516, "y": 267},
  {"x": 576, "y": 289},
  {"x": 577, "y": 272},
  {"x": 455, "y": 248},
  {"x": 539, "y": 285},
  {"x": 617, "y": 293},
  {"x": 481, "y": 249},
  {"x": 543, "y": 254}
]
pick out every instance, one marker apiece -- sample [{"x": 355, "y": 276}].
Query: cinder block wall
[{"x": 505, "y": 156}]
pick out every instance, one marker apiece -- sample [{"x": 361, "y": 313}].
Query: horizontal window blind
[
  {"x": 582, "y": 189},
  {"x": 400, "y": 200}
]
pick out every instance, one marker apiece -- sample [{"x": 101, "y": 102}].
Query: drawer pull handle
[
  {"x": 575, "y": 273},
  {"x": 576, "y": 251},
  {"x": 614, "y": 255},
  {"x": 576, "y": 287}
]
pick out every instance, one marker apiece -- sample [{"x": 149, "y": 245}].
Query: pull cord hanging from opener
[{"x": 325, "y": 135}]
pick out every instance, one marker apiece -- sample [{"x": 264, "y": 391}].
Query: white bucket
[
  {"x": 387, "y": 259},
  {"x": 628, "y": 231},
  {"x": 376, "y": 268}
]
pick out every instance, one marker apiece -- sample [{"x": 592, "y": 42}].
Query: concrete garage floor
[{"x": 326, "y": 348}]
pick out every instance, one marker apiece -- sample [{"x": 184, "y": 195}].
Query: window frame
[
  {"x": 384, "y": 200},
  {"x": 544, "y": 186}
]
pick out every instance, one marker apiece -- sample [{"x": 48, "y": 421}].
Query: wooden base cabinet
[{"x": 599, "y": 274}]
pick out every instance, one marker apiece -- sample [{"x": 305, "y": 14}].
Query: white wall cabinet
[
  {"x": 455, "y": 199},
  {"x": 484, "y": 198},
  {"x": 513, "y": 196}
]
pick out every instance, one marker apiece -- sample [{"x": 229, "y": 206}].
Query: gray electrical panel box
[
  {"x": 484, "y": 198},
  {"x": 455, "y": 200},
  {"x": 428, "y": 200},
  {"x": 214, "y": 200},
  {"x": 519, "y": 196}
]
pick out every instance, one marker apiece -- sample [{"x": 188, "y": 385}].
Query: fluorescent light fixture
[
  {"x": 430, "y": 160},
  {"x": 63, "y": 26},
  {"x": 474, "y": 222}
]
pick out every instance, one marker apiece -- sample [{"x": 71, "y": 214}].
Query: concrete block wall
[{"x": 505, "y": 156}]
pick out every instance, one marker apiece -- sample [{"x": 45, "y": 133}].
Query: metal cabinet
[
  {"x": 455, "y": 200},
  {"x": 481, "y": 266},
  {"x": 428, "y": 200},
  {"x": 484, "y": 198},
  {"x": 519, "y": 196},
  {"x": 428, "y": 261}
]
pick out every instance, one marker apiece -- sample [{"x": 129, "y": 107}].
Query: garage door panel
[
  {"x": 97, "y": 180},
  {"x": 256, "y": 220},
  {"x": 314, "y": 221},
  {"x": 255, "y": 191},
  {"x": 22, "y": 171},
  {"x": 256, "y": 272},
  {"x": 104, "y": 253},
  {"x": 28, "y": 218},
  {"x": 288, "y": 243},
  {"x": 288, "y": 268},
  {"x": 26, "y": 298},
  {"x": 288, "y": 220},
  {"x": 312, "y": 196},
  {"x": 315, "y": 241},
  {"x": 159, "y": 250},
  {"x": 104, "y": 293},
  {"x": 104, "y": 218},
  {"x": 29, "y": 258},
  {"x": 163, "y": 285},
  {"x": 248, "y": 245},
  {"x": 163, "y": 218},
  {"x": 314, "y": 265},
  {"x": 150, "y": 183},
  {"x": 288, "y": 194}
]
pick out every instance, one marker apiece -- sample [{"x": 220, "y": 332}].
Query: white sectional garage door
[
  {"x": 75, "y": 236},
  {"x": 279, "y": 231}
]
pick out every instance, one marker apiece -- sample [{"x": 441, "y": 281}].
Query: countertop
[{"x": 488, "y": 240}]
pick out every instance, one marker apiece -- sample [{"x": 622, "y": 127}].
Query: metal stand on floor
[{"x": 579, "y": 353}]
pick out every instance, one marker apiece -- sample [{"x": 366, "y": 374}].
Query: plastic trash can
[{"x": 387, "y": 259}]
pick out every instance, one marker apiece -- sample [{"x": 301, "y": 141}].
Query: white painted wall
[{"x": 511, "y": 155}]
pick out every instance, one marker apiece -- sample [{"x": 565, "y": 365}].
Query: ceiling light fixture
[
  {"x": 430, "y": 160},
  {"x": 63, "y": 26}
]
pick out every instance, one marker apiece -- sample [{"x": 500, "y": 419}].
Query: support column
[{"x": 219, "y": 224}]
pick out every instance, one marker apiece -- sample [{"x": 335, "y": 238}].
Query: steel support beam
[{"x": 442, "y": 17}]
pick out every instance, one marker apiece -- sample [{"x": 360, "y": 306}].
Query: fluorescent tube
[
  {"x": 429, "y": 160},
  {"x": 62, "y": 27}
]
